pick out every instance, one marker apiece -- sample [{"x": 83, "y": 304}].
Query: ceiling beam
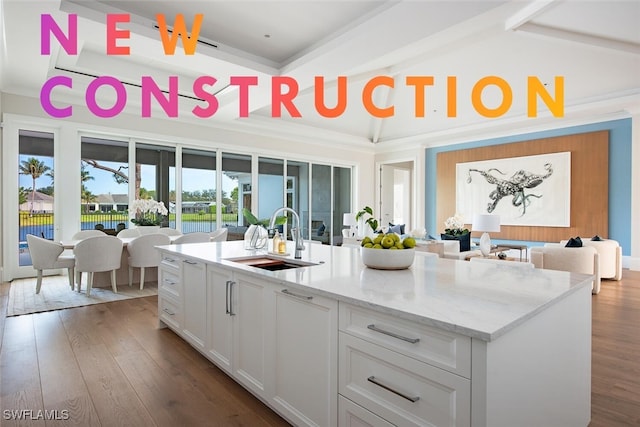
[
  {"x": 583, "y": 38},
  {"x": 527, "y": 13}
]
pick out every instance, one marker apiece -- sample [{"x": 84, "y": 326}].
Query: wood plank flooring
[{"x": 109, "y": 365}]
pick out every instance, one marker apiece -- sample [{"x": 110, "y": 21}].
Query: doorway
[{"x": 397, "y": 201}]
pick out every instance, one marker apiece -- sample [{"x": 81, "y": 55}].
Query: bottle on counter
[
  {"x": 282, "y": 246},
  {"x": 276, "y": 242}
]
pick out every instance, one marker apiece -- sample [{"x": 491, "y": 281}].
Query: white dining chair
[
  {"x": 83, "y": 234},
  {"x": 197, "y": 237},
  {"x": 169, "y": 231},
  {"x": 129, "y": 232},
  {"x": 95, "y": 254},
  {"x": 142, "y": 253},
  {"x": 220, "y": 235},
  {"x": 47, "y": 255}
]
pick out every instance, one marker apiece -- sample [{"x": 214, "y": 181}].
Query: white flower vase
[{"x": 255, "y": 237}]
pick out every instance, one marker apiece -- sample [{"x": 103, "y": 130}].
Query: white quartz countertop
[{"x": 479, "y": 300}]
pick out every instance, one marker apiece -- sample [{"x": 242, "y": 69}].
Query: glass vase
[{"x": 255, "y": 237}]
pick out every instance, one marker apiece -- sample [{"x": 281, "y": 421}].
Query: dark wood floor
[{"x": 108, "y": 364}]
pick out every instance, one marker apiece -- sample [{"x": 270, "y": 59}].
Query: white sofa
[
  {"x": 610, "y": 254},
  {"x": 554, "y": 256}
]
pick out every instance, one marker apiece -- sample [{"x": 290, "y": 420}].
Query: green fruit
[
  {"x": 368, "y": 245},
  {"x": 409, "y": 242},
  {"x": 366, "y": 240},
  {"x": 399, "y": 245},
  {"x": 396, "y": 238},
  {"x": 377, "y": 246},
  {"x": 377, "y": 240},
  {"x": 387, "y": 242},
  {"x": 394, "y": 248}
]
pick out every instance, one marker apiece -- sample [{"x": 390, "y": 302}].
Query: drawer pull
[
  {"x": 190, "y": 262},
  {"x": 304, "y": 297},
  {"x": 391, "y": 334},
  {"x": 377, "y": 382},
  {"x": 170, "y": 260},
  {"x": 169, "y": 282},
  {"x": 169, "y": 312}
]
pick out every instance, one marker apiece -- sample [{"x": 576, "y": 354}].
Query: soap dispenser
[{"x": 276, "y": 242}]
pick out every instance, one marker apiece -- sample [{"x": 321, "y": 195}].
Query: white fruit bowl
[{"x": 387, "y": 259}]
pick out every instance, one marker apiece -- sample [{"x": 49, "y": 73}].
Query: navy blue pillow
[
  {"x": 321, "y": 230},
  {"x": 574, "y": 243},
  {"x": 597, "y": 238}
]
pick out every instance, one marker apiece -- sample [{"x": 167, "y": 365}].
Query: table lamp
[
  {"x": 485, "y": 223},
  {"x": 349, "y": 220}
]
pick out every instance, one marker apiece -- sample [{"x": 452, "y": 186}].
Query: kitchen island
[{"x": 444, "y": 342}]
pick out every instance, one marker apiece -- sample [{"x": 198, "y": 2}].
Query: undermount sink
[{"x": 271, "y": 263}]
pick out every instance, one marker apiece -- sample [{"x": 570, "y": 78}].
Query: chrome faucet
[{"x": 295, "y": 230}]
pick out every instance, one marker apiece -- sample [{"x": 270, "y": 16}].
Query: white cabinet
[
  {"x": 236, "y": 322},
  {"x": 194, "y": 287},
  {"x": 352, "y": 415},
  {"x": 404, "y": 373},
  {"x": 219, "y": 317},
  {"x": 302, "y": 356},
  {"x": 170, "y": 292}
]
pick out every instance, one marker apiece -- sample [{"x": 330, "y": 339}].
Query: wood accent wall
[{"x": 589, "y": 184}]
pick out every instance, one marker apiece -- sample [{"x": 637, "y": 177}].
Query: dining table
[{"x": 103, "y": 279}]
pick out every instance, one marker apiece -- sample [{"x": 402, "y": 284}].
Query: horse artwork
[
  {"x": 536, "y": 189},
  {"x": 514, "y": 186}
]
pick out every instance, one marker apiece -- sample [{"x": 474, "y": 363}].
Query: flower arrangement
[
  {"x": 454, "y": 226},
  {"x": 147, "y": 212}
]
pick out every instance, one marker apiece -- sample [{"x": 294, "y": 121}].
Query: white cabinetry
[
  {"x": 236, "y": 320},
  {"x": 405, "y": 373},
  {"x": 194, "y": 287},
  {"x": 170, "y": 292},
  {"x": 302, "y": 356}
]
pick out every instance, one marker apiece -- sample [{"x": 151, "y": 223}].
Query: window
[
  {"x": 104, "y": 178},
  {"x": 35, "y": 192}
]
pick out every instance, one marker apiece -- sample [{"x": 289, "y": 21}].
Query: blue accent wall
[{"x": 619, "y": 174}]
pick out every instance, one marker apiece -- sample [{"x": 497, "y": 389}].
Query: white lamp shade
[
  {"x": 348, "y": 219},
  {"x": 486, "y": 222}
]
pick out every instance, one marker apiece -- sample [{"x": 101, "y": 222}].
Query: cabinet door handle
[
  {"x": 170, "y": 260},
  {"x": 304, "y": 297},
  {"x": 391, "y": 334},
  {"x": 230, "y": 284},
  {"x": 377, "y": 382},
  {"x": 169, "y": 312},
  {"x": 190, "y": 262},
  {"x": 169, "y": 282}
]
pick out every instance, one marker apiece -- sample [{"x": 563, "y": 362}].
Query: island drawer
[
  {"x": 400, "y": 389},
  {"x": 352, "y": 415},
  {"x": 169, "y": 312},
  {"x": 171, "y": 262},
  {"x": 446, "y": 350},
  {"x": 169, "y": 282}
]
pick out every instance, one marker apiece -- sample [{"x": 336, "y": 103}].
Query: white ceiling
[{"x": 595, "y": 45}]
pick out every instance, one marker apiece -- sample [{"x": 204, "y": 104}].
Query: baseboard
[{"x": 632, "y": 263}]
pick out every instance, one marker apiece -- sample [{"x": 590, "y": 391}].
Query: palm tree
[
  {"x": 36, "y": 168},
  {"x": 87, "y": 197}
]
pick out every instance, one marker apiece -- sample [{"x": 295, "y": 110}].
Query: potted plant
[
  {"x": 147, "y": 213},
  {"x": 455, "y": 230},
  {"x": 370, "y": 221}
]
